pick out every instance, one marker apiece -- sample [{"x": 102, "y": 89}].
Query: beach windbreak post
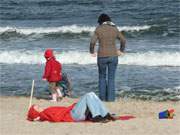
[{"x": 32, "y": 89}]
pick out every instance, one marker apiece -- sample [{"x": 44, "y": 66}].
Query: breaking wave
[
  {"x": 76, "y": 57},
  {"x": 73, "y": 29}
]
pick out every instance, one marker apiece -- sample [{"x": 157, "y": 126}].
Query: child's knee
[{"x": 91, "y": 94}]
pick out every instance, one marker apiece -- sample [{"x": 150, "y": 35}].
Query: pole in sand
[{"x": 32, "y": 89}]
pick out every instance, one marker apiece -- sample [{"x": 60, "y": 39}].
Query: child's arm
[{"x": 47, "y": 71}]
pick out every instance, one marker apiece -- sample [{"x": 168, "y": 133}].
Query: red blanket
[{"x": 125, "y": 117}]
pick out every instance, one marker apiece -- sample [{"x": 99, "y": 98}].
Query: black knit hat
[{"x": 103, "y": 18}]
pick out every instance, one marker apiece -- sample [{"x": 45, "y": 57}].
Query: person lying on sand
[{"x": 89, "y": 107}]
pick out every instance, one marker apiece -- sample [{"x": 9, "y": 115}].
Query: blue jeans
[
  {"x": 94, "y": 104},
  {"x": 107, "y": 69}
]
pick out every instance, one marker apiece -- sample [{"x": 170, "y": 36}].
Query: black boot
[
  {"x": 100, "y": 119},
  {"x": 110, "y": 117}
]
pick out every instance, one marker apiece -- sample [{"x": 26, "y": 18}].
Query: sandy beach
[{"x": 13, "y": 119}]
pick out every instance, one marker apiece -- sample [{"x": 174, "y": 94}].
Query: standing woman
[{"x": 107, "y": 60}]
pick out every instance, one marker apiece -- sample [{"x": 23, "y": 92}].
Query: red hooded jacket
[
  {"x": 52, "y": 114},
  {"x": 53, "y": 70},
  {"x": 57, "y": 114}
]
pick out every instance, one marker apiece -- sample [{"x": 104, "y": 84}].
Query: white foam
[
  {"x": 71, "y": 57},
  {"x": 134, "y": 28},
  {"x": 64, "y": 29},
  {"x": 152, "y": 59},
  {"x": 29, "y": 57},
  {"x": 178, "y": 96},
  {"x": 177, "y": 88}
]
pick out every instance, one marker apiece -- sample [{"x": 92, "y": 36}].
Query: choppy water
[{"x": 149, "y": 70}]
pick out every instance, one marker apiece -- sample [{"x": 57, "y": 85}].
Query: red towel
[{"x": 125, "y": 117}]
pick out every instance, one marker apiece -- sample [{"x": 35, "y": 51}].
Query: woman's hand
[
  {"x": 119, "y": 53},
  {"x": 93, "y": 54}
]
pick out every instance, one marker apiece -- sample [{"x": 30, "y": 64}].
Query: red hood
[
  {"x": 48, "y": 53},
  {"x": 32, "y": 113}
]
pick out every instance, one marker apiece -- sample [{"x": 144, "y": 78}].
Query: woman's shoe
[
  {"x": 110, "y": 117},
  {"x": 100, "y": 119}
]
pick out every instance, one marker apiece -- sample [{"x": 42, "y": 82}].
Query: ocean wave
[
  {"x": 74, "y": 29},
  {"x": 76, "y": 57}
]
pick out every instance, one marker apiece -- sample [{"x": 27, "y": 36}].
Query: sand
[{"x": 13, "y": 119}]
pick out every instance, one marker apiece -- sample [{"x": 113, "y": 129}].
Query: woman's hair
[{"x": 103, "y": 18}]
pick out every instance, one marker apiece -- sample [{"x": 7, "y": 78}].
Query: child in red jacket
[{"x": 53, "y": 74}]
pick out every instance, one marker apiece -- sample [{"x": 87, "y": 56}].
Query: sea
[{"x": 149, "y": 69}]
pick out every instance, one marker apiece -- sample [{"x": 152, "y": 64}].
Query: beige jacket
[{"x": 107, "y": 34}]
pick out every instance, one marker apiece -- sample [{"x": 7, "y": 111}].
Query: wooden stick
[{"x": 32, "y": 89}]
